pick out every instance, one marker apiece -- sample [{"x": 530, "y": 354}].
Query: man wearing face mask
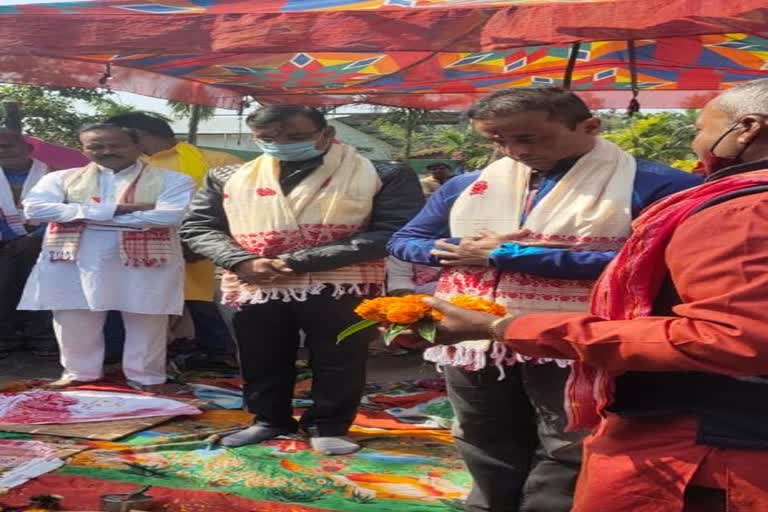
[
  {"x": 671, "y": 360},
  {"x": 302, "y": 231},
  {"x": 532, "y": 231}
]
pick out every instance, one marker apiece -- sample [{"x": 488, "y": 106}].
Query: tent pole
[
  {"x": 634, "y": 105},
  {"x": 568, "y": 76}
]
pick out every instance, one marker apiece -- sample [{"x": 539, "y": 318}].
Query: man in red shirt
[{"x": 670, "y": 364}]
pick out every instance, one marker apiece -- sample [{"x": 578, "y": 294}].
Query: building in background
[{"x": 229, "y": 133}]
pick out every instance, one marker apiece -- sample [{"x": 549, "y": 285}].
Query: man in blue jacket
[{"x": 532, "y": 231}]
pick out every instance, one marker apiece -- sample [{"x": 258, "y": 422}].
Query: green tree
[
  {"x": 407, "y": 127},
  {"x": 52, "y": 113},
  {"x": 55, "y": 114},
  {"x": 194, "y": 113},
  {"x": 476, "y": 150},
  {"x": 663, "y": 136}
]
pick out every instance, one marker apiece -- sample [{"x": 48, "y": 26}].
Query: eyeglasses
[{"x": 289, "y": 138}]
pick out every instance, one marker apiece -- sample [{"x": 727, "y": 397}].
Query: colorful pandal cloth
[
  {"x": 42, "y": 407},
  {"x": 588, "y": 209},
  {"x": 333, "y": 202},
  {"x": 144, "y": 248}
]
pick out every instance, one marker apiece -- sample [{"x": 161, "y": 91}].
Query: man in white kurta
[{"x": 81, "y": 291}]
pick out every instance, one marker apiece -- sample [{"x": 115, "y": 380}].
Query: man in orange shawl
[{"x": 670, "y": 365}]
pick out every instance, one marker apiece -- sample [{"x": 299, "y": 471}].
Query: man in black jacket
[{"x": 302, "y": 231}]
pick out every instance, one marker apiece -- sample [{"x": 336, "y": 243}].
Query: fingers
[
  {"x": 441, "y": 305},
  {"x": 488, "y": 233},
  {"x": 281, "y": 266},
  {"x": 446, "y": 246},
  {"x": 443, "y": 254},
  {"x": 519, "y": 235}
]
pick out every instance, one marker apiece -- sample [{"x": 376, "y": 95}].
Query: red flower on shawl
[
  {"x": 96, "y": 199},
  {"x": 265, "y": 192},
  {"x": 478, "y": 188}
]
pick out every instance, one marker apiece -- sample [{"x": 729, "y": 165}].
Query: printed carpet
[{"x": 402, "y": 467}]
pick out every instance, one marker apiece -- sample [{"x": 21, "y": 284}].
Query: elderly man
[
  {"x": 670, "y": 363},
  {"x": 161, "y": 149},
  {"x": 303, "y": 231},
  {"x": 19, "y": 247},
  {"x": 562, "y": 185},
  {"x": 111, "y": 244}
]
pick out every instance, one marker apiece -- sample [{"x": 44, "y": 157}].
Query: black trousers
[
  {"x": 511, "y": 435},
  {"x": 267, "y": 337},
  {"x": 17, "y": 258}
]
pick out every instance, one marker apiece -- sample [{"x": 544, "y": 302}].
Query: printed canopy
[{"x": 417, "y": 53}]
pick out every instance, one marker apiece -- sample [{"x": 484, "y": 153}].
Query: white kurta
[{"x": 98, "y": 280}]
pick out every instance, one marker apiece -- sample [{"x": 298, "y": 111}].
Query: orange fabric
[
  {"x": 645, "y": 464},
  {"x": 718, "y": 260}
]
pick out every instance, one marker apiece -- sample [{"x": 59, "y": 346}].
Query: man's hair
[
  {"x": 95, "y": 127},
  {"x": 560, "y": 104},
  {"x": 277, "y": 113},
  {"x": 439, "y": 164},
  {"x": 747, "y": 98},
  {"x": 153, "y": 125}
]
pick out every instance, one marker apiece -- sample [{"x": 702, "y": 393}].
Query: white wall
[{"x": 369, "y": 146}]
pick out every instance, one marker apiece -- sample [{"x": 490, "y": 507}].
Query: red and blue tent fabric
[{"x": 436, "y": 54}]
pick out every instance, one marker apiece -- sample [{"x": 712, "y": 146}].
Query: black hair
[
  {"x": 559, "y": 104},
  {"x": 94, "y": 127},
  {"x": 276, "y": 113},
  {"x": 438, "y": 164},
  {"x": 153, "y": 125}
]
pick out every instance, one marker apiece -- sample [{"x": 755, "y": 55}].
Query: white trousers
[{"x": 80, "y": 334}]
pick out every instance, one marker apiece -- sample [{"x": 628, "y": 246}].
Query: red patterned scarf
[
  {"x": 148, "y": 248},
  {"x": 630, "y": 285}
]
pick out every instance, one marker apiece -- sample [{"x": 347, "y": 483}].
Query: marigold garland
[{"x": 409, "y": 310}]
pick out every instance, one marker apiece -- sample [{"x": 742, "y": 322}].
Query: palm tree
[{"x": 195, "y": 114}]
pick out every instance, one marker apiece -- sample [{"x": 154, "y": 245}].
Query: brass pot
[{"x": 125, "y": 502}]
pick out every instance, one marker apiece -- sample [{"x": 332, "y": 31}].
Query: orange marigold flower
[
  {"x": 404, "y": 313},
  {"x": 410, "y": 309},
  {"x": 372, "y": 310},
  {"x": 478, "y": 304}
]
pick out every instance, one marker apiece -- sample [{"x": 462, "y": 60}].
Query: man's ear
[
  {"x": 592, "y": 126},
  {"x": 750, "y": 127}
]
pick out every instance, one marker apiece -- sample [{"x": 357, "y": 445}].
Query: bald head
[
  {"x": 735, "y": 124},
  {"x": 15, "y": 153}
]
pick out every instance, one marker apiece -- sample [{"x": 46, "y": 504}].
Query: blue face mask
[{"x": 292, "y": 152}]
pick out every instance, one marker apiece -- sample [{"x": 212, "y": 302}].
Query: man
[
  {"x": 19, "y": 246},
  {"x": 439, "y": 173},
  {"x": 674, "y": 345},
  {"x": 560, "y": 184},
  {"x": 303, "y": 231},
  {"x": 111, "y": 244},
  {"x": 159, "y": 144}
]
